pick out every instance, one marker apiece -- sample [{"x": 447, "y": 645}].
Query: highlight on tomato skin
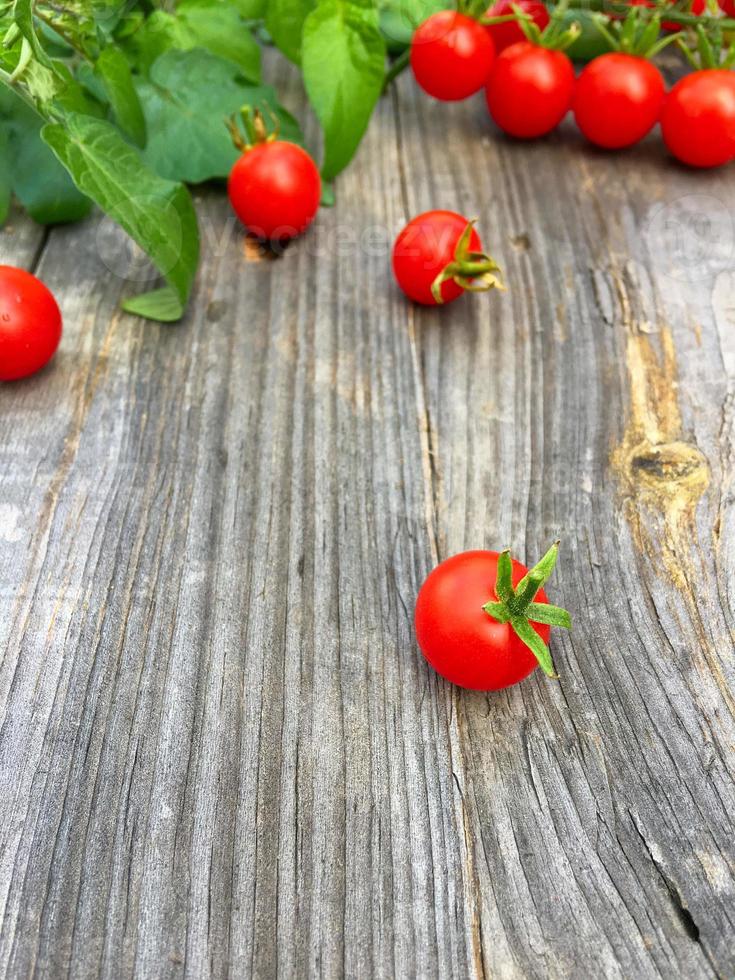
[
  {"x": 30, "y": 324},
  {"x": 483, "y": 620}
]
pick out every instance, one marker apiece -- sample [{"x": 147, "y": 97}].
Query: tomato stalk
[
  {"x": 519, "y": 608},
  {"x": 255, "y": 128},
  {"x": 474, "y": 271}
]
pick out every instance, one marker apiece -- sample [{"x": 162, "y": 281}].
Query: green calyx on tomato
[
  {"x": 639, "y": 34},
  {"x": 476, "y": 272},
  {"x": 558, "y": 35},
  {"x": 256, "y": 131},
  {"x": 518, "y": 607},
  {"x": 711, "y": 51}
]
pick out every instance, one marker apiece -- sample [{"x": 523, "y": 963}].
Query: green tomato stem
[{"x": 519, "y": 608}]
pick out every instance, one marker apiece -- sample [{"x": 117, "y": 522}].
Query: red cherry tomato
[
  {"x": 451, "y": 56},
  {"x": 727, "y": 7},
  {"x": 458, "y": 638},
  {"x": 530, "y": 90},
  {"x": 698, "y": 119},
  {"x": 618, "y": 99},
  {"x": 275, "y": 190},
  {"x": 434, "y": 243},
  {"x": 504, "y": 35},
  {"x": 30, "y": 324}
]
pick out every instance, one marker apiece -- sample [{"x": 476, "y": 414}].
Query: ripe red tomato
[
  {"x": 504, "y": 35},
  {"x": 727, "y": 7},
  {"x": 618, "y": 99},
  {"x": 451, "y": 56},
  {"x": 698, "y": 119},
  {"x": 275, "y": 190},
  {"x": 471, "y": 635},
  {"x": 30, "y": 324},
  {"x": 440, "y": 252},
  {"x": 530, "y": 90}
]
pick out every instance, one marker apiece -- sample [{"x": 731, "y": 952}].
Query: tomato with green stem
[
  {"x": 532, "y": 82},
  {"x": 509, "y": 31},
  {"x": 30, "y": 324},
  {"x": 438, "y": 256},
  {"x": 618, "y": 100},
  {"x": 618, "y": 97},
  {"x": 483, "y": 621},
  {"x": 275, "y": 187},
  {"x": 451, "y": 56}
]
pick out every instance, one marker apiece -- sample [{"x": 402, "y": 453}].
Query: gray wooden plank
[
  {"x": 594, "y": 403},
  {"x": 220, "y": 753}
]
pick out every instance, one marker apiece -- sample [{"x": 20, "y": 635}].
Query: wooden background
[{"x": 220, "y": 751}]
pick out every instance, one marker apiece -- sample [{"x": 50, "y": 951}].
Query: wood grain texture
[{"x": 220, "y": 752}]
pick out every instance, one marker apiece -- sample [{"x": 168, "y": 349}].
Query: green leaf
[
  {"x": 186, "y": 101},
  {"x": 114, "y": 72},
  {"x": 285, "y": 23},
  {"x": 343, "y": 60},
  {"x": 214, "y": 25},
  {"x": 38, "y": 180},
  {"x": 400, "y": 18},
  {"x": 158, "y": 214},
  {"x": 218, "y": 26},
  {"x": 252, "y": 9},
  {"x": 22, "y": 12}
]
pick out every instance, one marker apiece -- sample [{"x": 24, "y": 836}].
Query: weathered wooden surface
[{"x": 220, "y": 752}]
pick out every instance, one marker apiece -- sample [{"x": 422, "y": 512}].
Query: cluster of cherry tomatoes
[{"x": 531, "y": 85}]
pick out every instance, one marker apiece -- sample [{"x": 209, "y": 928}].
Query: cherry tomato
[
  {"x": 436, "y": 244},
  {"x": 504, "y": 35},
  {"x": 530, "y": 90},
  {"x": 451, "y": 56},
  {"x": 618, "y": 99},
  {"x": 727, "y": 7},
  {"x": 698, "y": 119},
  {"x": 30, "y": 324},
  {"x": 476, "y": 638},
  {"x": 275, "y": 190}
]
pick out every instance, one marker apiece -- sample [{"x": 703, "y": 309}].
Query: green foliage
[
  {"x": 343, "y": 35},
  {"x": 158, "y": 214},
  {"x": 122, "y": 103},
  {"x": 186, "y": 98}
]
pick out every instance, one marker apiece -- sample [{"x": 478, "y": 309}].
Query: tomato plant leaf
[
  {"x": 158, "y": 214},
  {"x": 343, "y": 61},
  {"x": 113, "y": 70},
  {"x": 22, "y": 13},
  {"x": 186, "y": 99},
  {"x": 38, "y": 180},
  {"x": 400, "y": 18},
  {"x": 285, "y": 22},
  {"x": 215, "y": 25}
]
